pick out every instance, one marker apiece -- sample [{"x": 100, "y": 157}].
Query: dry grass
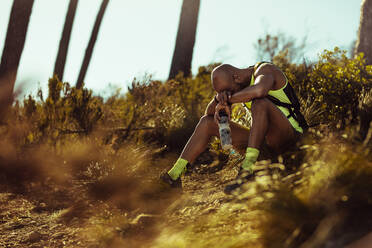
[
  {"x": 85, "y": 191},
  {"x": 72, "y": 176}
]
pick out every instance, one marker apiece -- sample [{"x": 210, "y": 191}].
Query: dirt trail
[
  {"x": 205, "y": 216},
  {"x": 202, "y": 194},
  {"x": 24, "y": 223}
]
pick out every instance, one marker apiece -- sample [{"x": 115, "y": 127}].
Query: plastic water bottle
[{"x": 225, "y": 131}]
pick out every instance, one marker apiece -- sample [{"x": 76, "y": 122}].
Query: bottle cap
[{"x": 222, "y": 113}]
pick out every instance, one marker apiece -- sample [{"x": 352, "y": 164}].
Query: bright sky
[{"x": 138, "y": 36}]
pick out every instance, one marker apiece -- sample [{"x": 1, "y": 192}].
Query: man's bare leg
[
  {"x": 207, "y": 128},
  {"x": 198, "y": 142},
  {"x": 268, "y": 123}
]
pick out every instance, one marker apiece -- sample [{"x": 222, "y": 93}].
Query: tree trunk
[
  {"x": 364, "y": 42},
  {"x": 92, "y": 41},
  {"x": 59, "y": 66},
  {"x": 13, "y": 48},
  {"x": 182, "y": 56}
]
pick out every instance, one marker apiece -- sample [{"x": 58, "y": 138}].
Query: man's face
[
  {"x": 235, "y": 87},
  {"x": 224, "y": 85},
  {"x": 221, "y": 85},
  {"x": 223, "y": 82}
]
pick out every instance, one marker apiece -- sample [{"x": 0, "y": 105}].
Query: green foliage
[
  {"x": 337, "y": 82},
  {"x": 165, "y": 110},
  {"x": 65, "y": 110},
  {"x": 154, "y": 112},
  {"x": 151, "y": 111},
  {"x": 330, "y": 87}
]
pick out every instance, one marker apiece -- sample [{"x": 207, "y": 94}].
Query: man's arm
[
  {"x": 263, "y": 83},
  {"x": 211, "y": 107}
]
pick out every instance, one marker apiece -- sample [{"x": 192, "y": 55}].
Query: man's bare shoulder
[
  {"x": 272, "y": 70},
  {"x": 265, "y": 69}
]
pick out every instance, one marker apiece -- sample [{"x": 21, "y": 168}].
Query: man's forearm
[
  {"x": 260, "y": 89},
  {"x": 246, "y": 95}
]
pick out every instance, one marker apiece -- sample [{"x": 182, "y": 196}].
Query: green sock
[
  {"x": 251, "y": 156},
  {"x": 178, "y": 168}
]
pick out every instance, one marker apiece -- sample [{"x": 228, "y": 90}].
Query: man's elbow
[{"x": 261, "y": 92}]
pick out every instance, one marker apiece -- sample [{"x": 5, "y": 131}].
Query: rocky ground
[
  {"x": 201, "y": 216},
  {"x": 25, "y": 222}
]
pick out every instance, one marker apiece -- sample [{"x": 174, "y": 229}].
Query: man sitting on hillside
[{"x": 276, "y": 119}]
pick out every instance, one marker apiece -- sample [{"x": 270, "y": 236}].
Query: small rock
[{"x": 34, "y": 236}]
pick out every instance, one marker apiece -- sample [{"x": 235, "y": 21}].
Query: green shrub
[
  {"x": 337, "y": 82},
  {"x": 166, "y": 113},
  {"x": 331, "y": 86}
]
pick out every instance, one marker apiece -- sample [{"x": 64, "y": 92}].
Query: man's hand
[
  {"x": 223, "y": 97},
  {"x": 220, "y": 107}
]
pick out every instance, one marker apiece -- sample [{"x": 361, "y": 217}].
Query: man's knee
[
  {"x": 208, "y": 124},
  {"x": 206, "y": 120},
  {"x": 259, "y": 104}
]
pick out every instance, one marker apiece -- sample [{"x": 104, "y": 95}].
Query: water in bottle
[{"x": 225, "y": 131}]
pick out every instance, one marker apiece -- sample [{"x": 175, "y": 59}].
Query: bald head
[{"x": 222, "y": 77}]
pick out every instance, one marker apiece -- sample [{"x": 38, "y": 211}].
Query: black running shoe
[
  {"x": 165, "y": 178},
  {"x": 243, "y": 177}
]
